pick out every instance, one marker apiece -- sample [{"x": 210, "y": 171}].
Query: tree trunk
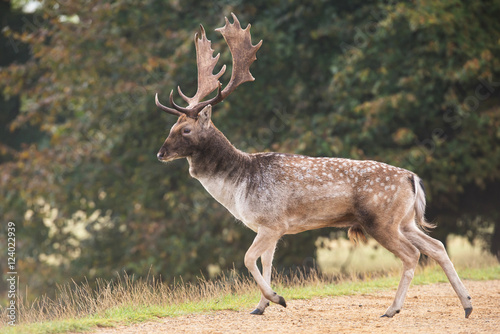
[{"x": 495, "y": 241}]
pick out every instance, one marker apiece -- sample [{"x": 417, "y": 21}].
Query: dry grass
[{"x": 75, "y": 300}]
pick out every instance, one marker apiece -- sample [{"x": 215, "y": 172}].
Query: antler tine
[
  {"x": 175, "y": 105},
  {"x": 213, "y": 101},
  {"x": 165, "y": 108}
]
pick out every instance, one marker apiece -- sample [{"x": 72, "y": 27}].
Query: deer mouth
[{"x": 167, "y": 158}]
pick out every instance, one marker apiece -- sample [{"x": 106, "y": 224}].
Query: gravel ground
[{"x": 428, "y": 309}]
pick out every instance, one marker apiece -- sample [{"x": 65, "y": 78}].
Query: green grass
[{"x": 78, "y": 307}]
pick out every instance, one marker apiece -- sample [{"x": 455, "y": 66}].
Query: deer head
[{"x": 194, "y": 122}]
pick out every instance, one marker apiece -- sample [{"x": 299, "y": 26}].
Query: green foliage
[{"x": 414, "y": 84}]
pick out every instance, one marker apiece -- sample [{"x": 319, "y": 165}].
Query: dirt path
[{"x": 428, "y": 309}]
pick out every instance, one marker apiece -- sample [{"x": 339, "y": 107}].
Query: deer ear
[{"x": 204, "y": 117}]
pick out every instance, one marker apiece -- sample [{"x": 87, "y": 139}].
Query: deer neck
[
  {"x": 220, "y": 168},
  {"x": 216, "y": 158}
]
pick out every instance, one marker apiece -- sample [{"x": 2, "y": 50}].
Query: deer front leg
[
  {"x": 267, "y": 267},
  {"x": 264, "y": 243}
]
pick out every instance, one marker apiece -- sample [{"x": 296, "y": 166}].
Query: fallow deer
[{"x": 276, "y": 194}]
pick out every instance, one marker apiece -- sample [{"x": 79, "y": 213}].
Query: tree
[{"x": 405, "y": 83}]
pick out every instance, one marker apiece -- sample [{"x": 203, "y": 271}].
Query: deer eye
[{"x": 186, "y": 131}]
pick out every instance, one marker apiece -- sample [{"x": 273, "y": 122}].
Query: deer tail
[{"x": 420, "y": 204}]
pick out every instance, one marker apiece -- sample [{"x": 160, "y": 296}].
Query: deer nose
[{"x": 160, "y": 155}]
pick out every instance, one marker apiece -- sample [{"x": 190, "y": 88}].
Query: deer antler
[
  {"x": 244, "y": 54},
  {"x": 207, "y": 82}
]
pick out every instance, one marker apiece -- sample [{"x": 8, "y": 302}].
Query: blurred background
[{"x": 415, "y": 84}]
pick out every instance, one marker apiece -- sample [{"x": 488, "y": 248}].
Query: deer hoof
[
  {"x": 390, "y": 314},
  {"x": 468, "y": 311},
  {"x": 282, "y": 301},
  {"x": 257, "y": 311}
]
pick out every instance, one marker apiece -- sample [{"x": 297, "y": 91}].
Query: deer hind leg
[
  {"x": 435, "y": 250},
  {"x": 394, "y": 241},
  {"x": 263, "y": 245}
]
